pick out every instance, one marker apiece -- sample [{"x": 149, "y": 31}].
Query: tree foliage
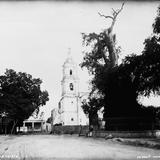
[
  {"x": 20, "y": 95},
  {"x": 101, "y": 59},
  {"x": 145, "y": 68},
  {"x": 91, "y": 107},
  {"x": 121, "y": 84}
]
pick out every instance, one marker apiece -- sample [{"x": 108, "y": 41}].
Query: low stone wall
[
  {"x": 84, "y": 130},
  {"x": 127, "y": 134},
  {"x": 70, "y": 129}
]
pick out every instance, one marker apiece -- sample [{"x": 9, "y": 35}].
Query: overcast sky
[{"x": 35, "y": 36}]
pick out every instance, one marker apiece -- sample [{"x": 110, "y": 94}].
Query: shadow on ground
[{"x": 148, "y": 143}]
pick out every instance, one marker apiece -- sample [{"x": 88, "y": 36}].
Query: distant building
[
  {"x": 69, "y": 110},
  {"x": 33, "y": 124}
]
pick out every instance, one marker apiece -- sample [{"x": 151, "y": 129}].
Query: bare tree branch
[
  {"x": 120, "y": 8},
  {"x": 115, "y": 14},
  {"x": 102, "y": 15},
  {"x": 113, "y": 11},
  {"x": 110, "y": 38}
]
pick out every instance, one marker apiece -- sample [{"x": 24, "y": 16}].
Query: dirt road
[{"x": 67, "y": 147}]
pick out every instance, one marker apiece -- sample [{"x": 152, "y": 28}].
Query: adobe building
[{"x": 33, "y": 124}]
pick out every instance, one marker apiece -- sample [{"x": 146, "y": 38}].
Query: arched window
[
  {"x": 70, "y": 72},
  {"x": 71, "y": 86}
]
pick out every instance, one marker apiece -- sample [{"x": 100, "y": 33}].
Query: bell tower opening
[
  {"x": 70, "y": 72},
  {"x": 71, "y": 86}
]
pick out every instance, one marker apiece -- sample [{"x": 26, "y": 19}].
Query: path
[{"x": 67, "y": 147}]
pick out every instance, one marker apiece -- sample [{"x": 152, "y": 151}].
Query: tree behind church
[
  {"x": 122, "y": 85},
  {"x": 20, "y": 97},
  {"x": 100, "y": 60}
]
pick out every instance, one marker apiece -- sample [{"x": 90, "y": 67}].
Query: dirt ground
[{"x": 69, "y": 147}]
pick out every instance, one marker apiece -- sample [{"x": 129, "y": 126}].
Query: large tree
[
  {"x": 121, "y": 84},
  {"x": 99, "y": 60},
  {"x": 20, "y": 96},
  {"x": 144, "y": 69}
]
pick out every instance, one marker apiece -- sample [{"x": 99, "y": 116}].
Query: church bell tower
[{"x": 70, "y": 90}]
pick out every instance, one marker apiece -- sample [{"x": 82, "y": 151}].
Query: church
[{"x": 69, "y": 110}]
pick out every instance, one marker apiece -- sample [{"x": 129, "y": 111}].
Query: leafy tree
[
  {"x": 144, "y": 69},
  {"x": 101, "y": 59},
  {"x": 91, "y": 107},
  {"x": 104, "y": 52},
  {"x": 20, "y": 96},
  {"x": 121, "y": 85}
]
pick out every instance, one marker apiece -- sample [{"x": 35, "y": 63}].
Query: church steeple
[
  {"x": 70, "y": 78},
  {"x": 69, "y": 103},
  {"x": 69, "y": 52}
]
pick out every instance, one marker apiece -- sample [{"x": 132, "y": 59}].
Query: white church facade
[{"x": 69, "y": 108}]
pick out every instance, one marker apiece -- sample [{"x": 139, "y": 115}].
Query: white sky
[{"x": 35, "y": 36}]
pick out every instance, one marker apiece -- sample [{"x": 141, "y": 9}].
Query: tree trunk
[
  {"x": 13, "y": 127},
  {"x": 110, "y": 37},
  {"x": 111, "y": 49}
]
